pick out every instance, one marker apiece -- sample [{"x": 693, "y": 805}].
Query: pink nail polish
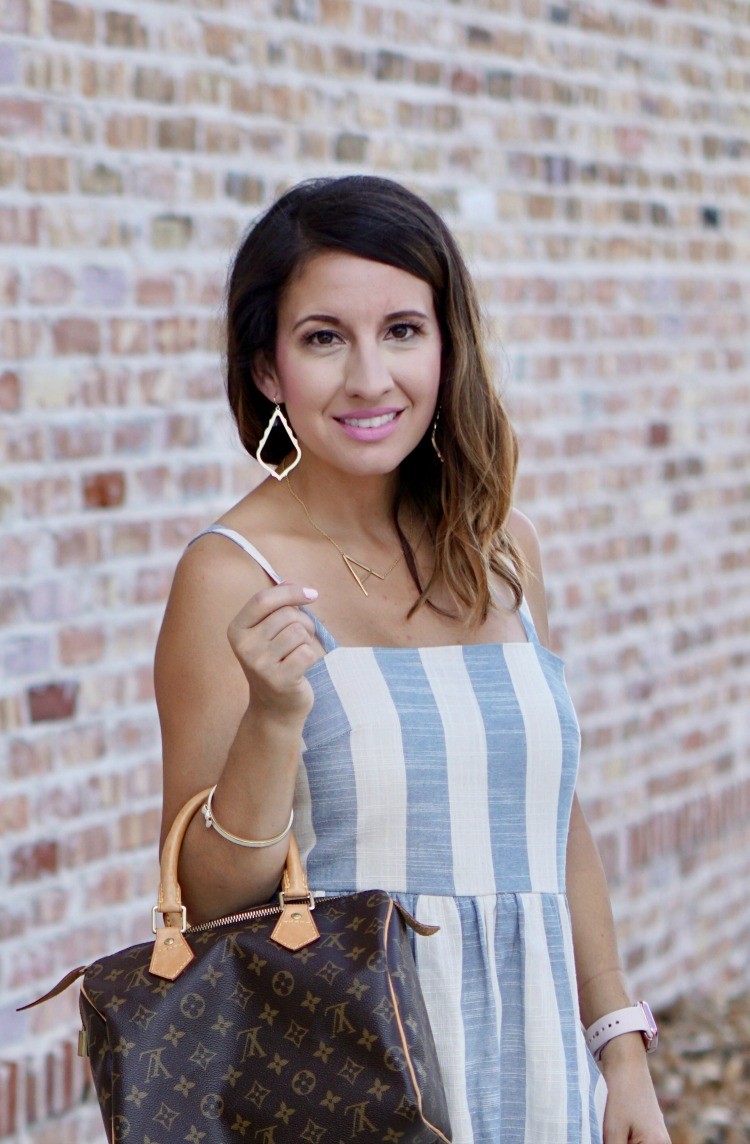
[{"x": 309, "y": 593}]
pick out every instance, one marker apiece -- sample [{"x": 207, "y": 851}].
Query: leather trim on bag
[{"x": 402, "y": 1034}]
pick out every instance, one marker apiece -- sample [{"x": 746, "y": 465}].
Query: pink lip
[
  {"x": 383, "y": 412},
  {"x": 373, "y": 433}
]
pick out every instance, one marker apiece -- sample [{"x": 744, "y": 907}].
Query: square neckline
[{"x": 330, "y": 644}]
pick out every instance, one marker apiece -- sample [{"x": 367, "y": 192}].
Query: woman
[{"x": 391, "y": 682}]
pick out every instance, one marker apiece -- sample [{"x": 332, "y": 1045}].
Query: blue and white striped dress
[{"x": 445, "y": 775}]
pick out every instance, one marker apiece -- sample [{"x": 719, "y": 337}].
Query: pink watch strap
[{"x": 636, "y": 1018}]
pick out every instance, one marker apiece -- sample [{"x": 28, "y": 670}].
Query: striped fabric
[{"x": 445, "y": 775}]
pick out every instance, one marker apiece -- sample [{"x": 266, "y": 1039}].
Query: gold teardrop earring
[
  {"x": 433, "y": 438},
  {"x": 278, "y": 415}
]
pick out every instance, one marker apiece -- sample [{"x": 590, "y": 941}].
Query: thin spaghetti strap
[
  {"x": 524, "y": 612},
  {"x": 243, "y": 543},
  {"x": 327, "y": 641}
]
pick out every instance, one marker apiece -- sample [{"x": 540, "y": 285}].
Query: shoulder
[
  {"x": 214, "y": 568},
  {"x": 213, "y": 580},
  {"x": 524, "y": 535},
  {"x": 216, "y": 565}
]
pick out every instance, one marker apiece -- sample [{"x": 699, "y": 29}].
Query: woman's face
[{"x": 357, "y": 362}]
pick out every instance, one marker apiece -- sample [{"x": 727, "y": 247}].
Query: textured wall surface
[{"x": 593, "y": 159}]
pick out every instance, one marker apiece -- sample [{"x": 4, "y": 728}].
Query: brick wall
[{"x": 593, "y": 159}]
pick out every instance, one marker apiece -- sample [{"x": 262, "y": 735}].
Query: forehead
[{"x": 335, "y": 282}]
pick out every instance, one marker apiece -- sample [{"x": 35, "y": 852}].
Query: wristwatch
[{"x": 636, "y": 1018}]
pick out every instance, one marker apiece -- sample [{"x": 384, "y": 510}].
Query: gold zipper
[{"x": 250, "y": 915}]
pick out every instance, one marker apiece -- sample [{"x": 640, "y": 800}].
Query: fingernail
[
  {"x": 282, "y": 582},
  {"x": 309, "y": 593}
]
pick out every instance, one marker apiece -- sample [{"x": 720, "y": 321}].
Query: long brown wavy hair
[{"x": 466, "y": 499}]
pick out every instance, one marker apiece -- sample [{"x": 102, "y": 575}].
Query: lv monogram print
[{"x": 327, "y": 1045}]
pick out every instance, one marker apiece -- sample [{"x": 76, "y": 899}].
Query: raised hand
[{"x": 275, "y": 643}]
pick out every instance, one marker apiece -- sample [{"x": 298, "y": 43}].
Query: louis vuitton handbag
[{"x": 302, "y": 1021}]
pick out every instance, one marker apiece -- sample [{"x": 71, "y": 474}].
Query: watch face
[{"x": 651, "y": 1035}]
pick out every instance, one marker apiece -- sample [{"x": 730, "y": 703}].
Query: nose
[{"x": 367, "y": 372}]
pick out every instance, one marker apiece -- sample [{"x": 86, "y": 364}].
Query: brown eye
[
  {"x": 321, "y": 338},
  {"x": 404, "y": 331}
]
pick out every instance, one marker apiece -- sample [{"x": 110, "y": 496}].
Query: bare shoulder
[
  {"x": 524, "y": 534},
  {"x": 212, "y": 581},
  {"x": 526, "y": 537}
]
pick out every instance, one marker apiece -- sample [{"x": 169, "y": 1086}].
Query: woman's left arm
[{"x": 632, "y": 1114}]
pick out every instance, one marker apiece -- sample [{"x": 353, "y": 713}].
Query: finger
[
  {"x": 302, "y": 659},
  {"x": 291, "y": 637},
  {"x": 269, "y": 628},
  {"x": 269, "y": 600}
]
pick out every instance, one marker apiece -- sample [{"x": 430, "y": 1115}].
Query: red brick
[
  {"x": 49, "y": 174},
  {"x": 29, "y": 759},
  {"x": 12, "y": 606},
  {"x": 153, "y": 291},
  {"x": 132, "y": 539},
  {"x": 14, "y": 814},
  {"x": 129, "y": 132},
  {"x": 200, "y": 479},
  {"x": 153, "y": 585},
  {"x": 124, "y": 30},
  {"x": 76, "y": 336},
  {"x": 29, "y": 863},
  {"x": 154, "y": 84},
  {"x": 71, "y": 22},
  {"x": 10, "y": 392},
  {"x": 76, "y": 441},
  {"x": 83, "y": 743},
  {"x": 82, "y": 645},
  {"x": 9, "y": 286},
  {"x": 658, "y": 434},
  {"x": 85, "y": 846},
  {"x": 52, "y": 701},
  {"x": 177, "y": 134},
  {"x": 48, "y": 496},
  {"x": 13, "y": 923},
  {"x": 104, "y": 490},
  {"x": 50, "y": 284},
  {"x": 136, "y": 830},
  {"x": 19, "y": 226},
  {"x": 77, "y": 546},
  {"x": 14, "y": 17},
  {"x": 20, "y": 117},
  {"x": 21, "y": 337}
]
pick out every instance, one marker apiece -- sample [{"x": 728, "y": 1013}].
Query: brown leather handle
[{"x": 170, "y": 894}]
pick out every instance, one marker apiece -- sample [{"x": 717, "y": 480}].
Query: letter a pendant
[
  {"x": 353, "y": 564},
  {"x": 278, "y": 415}
]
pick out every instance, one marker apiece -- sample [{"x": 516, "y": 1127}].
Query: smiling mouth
[{"x": 369, "y": 422}]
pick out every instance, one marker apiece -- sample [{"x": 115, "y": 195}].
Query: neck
[{"x": 350, "y": 505}]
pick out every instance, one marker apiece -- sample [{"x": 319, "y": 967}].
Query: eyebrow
[{"x": 331, "y": 319}]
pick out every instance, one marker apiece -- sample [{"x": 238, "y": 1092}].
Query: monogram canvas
[{"x": 325, "y": 1045}]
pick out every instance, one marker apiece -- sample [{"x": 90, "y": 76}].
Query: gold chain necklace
[{"x": 350, "y": 562}]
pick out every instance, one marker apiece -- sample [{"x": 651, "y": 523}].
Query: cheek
[
  {"x": 431, "y": 369},
  {"x": 291, "y": 374}
]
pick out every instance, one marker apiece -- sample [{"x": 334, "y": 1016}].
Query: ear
[{"x": 264, "y": 376}]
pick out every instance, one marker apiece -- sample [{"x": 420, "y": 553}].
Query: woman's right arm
[{"x": 232, "y": 698}]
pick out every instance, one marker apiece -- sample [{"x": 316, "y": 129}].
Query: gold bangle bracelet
[{"x": 210, "y": 818}]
